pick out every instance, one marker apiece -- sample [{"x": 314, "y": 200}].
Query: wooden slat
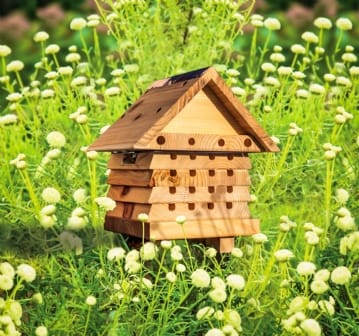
[
  {"x": 199, "y": 194},
  {"x": 129, "y": 210},
  {"x": 222, "y": 245},
  {"x": 148, "y": 160},
  {"x": 130, "y": 194},
  {"x": 202, "y": 178},
  {"x": 130, "y": 177},
  {"x": 192, "y": 229},
  {"x": 203, "y": 142}
]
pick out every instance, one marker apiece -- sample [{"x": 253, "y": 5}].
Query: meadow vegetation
[{"x": 62, "y": 274}]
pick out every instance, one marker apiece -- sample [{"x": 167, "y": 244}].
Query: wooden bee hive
[{"x": 182, "y": 149}]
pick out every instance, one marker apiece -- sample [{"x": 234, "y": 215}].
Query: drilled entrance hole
[
  {"x": 210, "y": 206},
  {"x": 138, "y": 116},
  {"x": 171, "y": 207},
  {"x": 173, "y": 156},
  {"x": 192, "y": 172},
  {"x": 191, "y": 141},
  {"x": 247, "y": 142},
  {"x": 212, "y": 156},
  {"x": 172, "y": 190},
  {"x": 125, "y": 190},
  {"x": 159, "y": 109},
  {"x": 184, "y": 83},
  {"x": 192, "y": 190},
  {"x": 211, "y": 172},
  {"x": 221, "y": 142},
  {"x": 191, "y": 206},
  {"x": 230, "y": 172},
  {"x": 229, "y": 189},
  {"x": 161, "y": 140},
  {"x": 192, "y": 156},
  {"x": 211, "y": 190},
  {"x": 229, "y": 205},
  {"x": 230, "y": 156},
  {"x": 173, "y": 172}
]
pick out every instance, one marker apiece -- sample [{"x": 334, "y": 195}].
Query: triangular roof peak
[{"x": 194, "y": 111}]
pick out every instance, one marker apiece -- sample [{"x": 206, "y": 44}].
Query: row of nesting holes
[
  {"x": 192, "y": 206},
  {"x": 192, "y": 190},
  {"x": 193, "y": 172},
  {"x": 191, "y": 141},
  {"x": 194, "y": 156}
]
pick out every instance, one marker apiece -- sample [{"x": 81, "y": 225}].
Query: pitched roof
[{"x": 155, "y": 111}]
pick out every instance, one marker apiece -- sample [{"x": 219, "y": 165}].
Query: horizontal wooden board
[
  {"x": 185, "y": 178},
  {"x": 203, "y": 142},
  {"x": 192, "y": 160},
  {"x": 190, "y": 229},
  {"x": 179, "y": 194}
]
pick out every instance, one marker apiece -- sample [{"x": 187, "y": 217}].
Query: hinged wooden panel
[
  {"x": 193, "y": 229},
  {"x": 203, "y": 142},
  {"x": 151, "y": 160}
]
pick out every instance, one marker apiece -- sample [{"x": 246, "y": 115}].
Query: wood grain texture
[
  {"x": 190, "y": 160},
  {"x": 222, "y": 245},
  {"x": 203, "y": 142},
  {"x": 192, "y": 229}
]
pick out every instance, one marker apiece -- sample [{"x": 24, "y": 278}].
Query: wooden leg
[{"x": 222, "y": 245}]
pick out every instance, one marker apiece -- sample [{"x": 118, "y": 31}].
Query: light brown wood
[
  {"x": 190, "y": 229},
  {"x": 155, "y": 160},
  {"x": 222, "y": 245},
  {"x": 130, "y": 177},
  {"x": 200, "y": 178},
  {"x": 203, "y": 142},
  {"x": 130, "y": 194},
  {"x": 129, "y": 210}
]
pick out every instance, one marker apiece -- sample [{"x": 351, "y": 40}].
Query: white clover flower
[
  {"x": 232, "y": 72},
  {"x": 237, "y": 252},
  {"x": 328, "y": 77},
  {"x": 51, "y": 195},
  {"x": 133, "y": 255},
  {"x": 41, "y": 36},
  {"x": 214, "y": 332},
  {"x": 277, "y": 57},
  {"x": 302, "y": 93},
  {"x": 78, "y": 81},
  {"x": 56, "y": 139},
  {"x": 75, "y": 223},
  {"x": 26, "y": 272},
  {"x": 106, "y": 203},
  {"x": 354, "y": 70},
  {"x": 318, "y": 51},
  {"x": 238, "y": 91},
  {"x": 116, "y": 253},
  {"x": 210, "y": 252},
  {"x": 93, "y": 23},
  {"x": 171, "y": 277},
  {"x": 79, "y": 195},
  {"x": 14, "y": 97},
  {"x": 41, "y": 331},
  {"x": 132, "y": 266},
  {"x": 4, "y": 50},
  {"x": 200, "y": 278},
  {"x": 6, "y": 282},
  {"x": 297, "y": 49},
  {"x": 235, "y": 281},
  {"x": 52, "y": 49},
  {"x": 7, "y": 269},
  {"x": 180, "y": 268},
  {"x": 326, "y": 307},
  {"x": 310, "y": 37},
  {"x": 342, "y": 195},
  {"x": 148, "y": 251},
  {"x": 218, "y": 295},
  {"x": 130, "y": 68},
  {"x": 78, "y": 24},
  {"x": 181, "y": 219},
  {"x": 112, "y": 91},
  {"x": 349, "y": 57},
  {"x": 272, "y": 24},
  {"x": 311, "y": 327},
  {"x": 51, "y": 75},
  {"x": 142, "y": 217},
  {"x": 323, "y": 23},
  {"x": 117, "y": 72},
  {"x": 47, "y": 221},
  {"x": 343, "y": 81},
  {"x": 272, "y": 81},
  {"x": 205, "y": 313},
  {"x": 15, "y": 66},
  {"x": 316, "y": 88},
  {"x": 65, "y": 70},
  {"x": 72, "y": 57},
  {"x": 259, "y": 238},
  {"x": 284, "y": 70},
  {"x": 218, "y": 283},
  {"x": 322, "y": 274},
  {"x": 318, "y": 286},
  {"x": 147, "y": 283},
  {"x": 268, "y": 67},
  {"x": 311, "y": 237},
  {"x": 91, "y": 300},
  {"x": 232, "y": 318},
  {"x": 306, "y": 268},
  {"x": 37, "y": 298},
  {"x": 283, "y": 255},
  {"x": 47, "y": 93},
  {"x": 344, "y": 24}
]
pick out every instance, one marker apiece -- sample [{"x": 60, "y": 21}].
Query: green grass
[{"x": 306, "y": 195}]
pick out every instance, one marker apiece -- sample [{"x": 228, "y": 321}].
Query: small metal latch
[{"x": 129, "y": 157}]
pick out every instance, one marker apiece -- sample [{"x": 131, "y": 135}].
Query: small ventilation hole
[
  {"x": 159, "y": 109},
  {"x": 210, "y": 206},
  {"x": 161, "y": 140},
  {"x": 191, "y": 141},
  {"x": 247, "y": 142},
  {"x": 172, "y": 190},
  {"x": 230, "y": 172},
  {"x": 221, "y": 142},
  {"x": 192, "y": 190},
  {"x": 229, "y": 205},
  {"x": 192, "y": 172},
  {"x": 229, "y": 189},
  {"x": 171, "y": 207},
  {"x": 138, "y": 116},
  {"x": 173, "y": 156},
  {"x": 211, "y": 172},
  {"x": 191, "y": 206},
  {"x": 211, "y": 190},
  {"x": 173, "y": 172},
  {"x": 212, "y": 156}
]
